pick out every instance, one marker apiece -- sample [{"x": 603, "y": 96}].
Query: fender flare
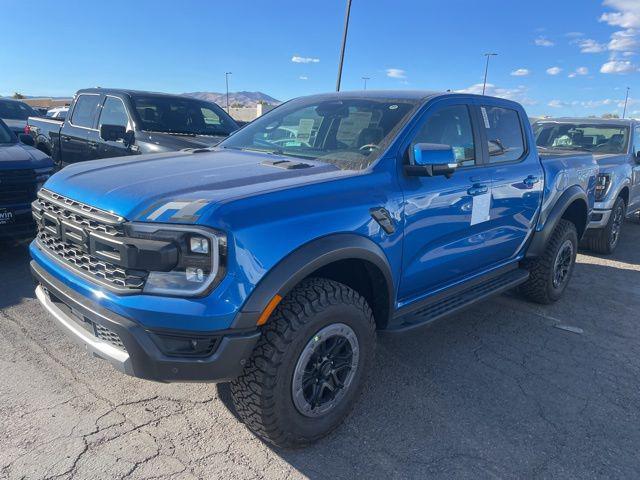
[
  {"x": 300, "y": 263},
  {"x": 540, "y": 238}
]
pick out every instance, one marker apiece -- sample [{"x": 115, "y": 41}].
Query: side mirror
[
  {"x": 112, "y": 133},
  {"x": 27, "y": 139},
  {"x": 430, "y": 159},
  {"x": 638, "y": 156}
]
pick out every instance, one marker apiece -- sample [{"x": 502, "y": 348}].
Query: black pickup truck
[{"x": 104, "y": 123}]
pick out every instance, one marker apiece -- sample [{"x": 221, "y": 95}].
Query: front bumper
[
  {"x": 599, "y": 218},
  {"x": 130, "y": 347}
]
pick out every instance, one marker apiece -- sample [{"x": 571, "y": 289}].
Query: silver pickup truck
[{"x": 615, "y": 144}]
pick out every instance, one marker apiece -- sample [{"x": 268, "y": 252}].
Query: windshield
[
  {"x": 13, "y": 110},
  {"x": 349, "y": 133},
  {"x": 6, "y": 136},
  {"x": 182, "y": 116},
  {"x": 580, "y": 136}
]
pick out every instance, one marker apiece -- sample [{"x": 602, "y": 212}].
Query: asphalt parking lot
[{"x": 499, "y": 391}]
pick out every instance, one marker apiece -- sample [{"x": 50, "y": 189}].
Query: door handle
[
  {"x": 93, "y": 145},
  {"x": 531, "y": 180},
  {"x": 66, "y": 139},
  {"x": 478, "y": 189}
]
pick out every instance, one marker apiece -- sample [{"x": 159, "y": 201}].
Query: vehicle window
[
  {"x": 113, "y": 113},
  {"x": 504, "y": 134},
  {"x": 349, "y": 133},
  {"x": 5, "y": 134},
  {"x": 83, "y": 112},
  {"x": 581, "y": 136},
  {"x": 636, "y": 141},
  {"x": 187, "y": 116},
  {"x": 13, "y": 110},
  {"x": 451, "y": 126}
]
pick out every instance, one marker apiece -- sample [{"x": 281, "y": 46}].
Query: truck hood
[
  {"x": 19, "y": 156},
  {"x": 154, "y": 187},
  {"x": 611, "y": 160},
  {"x": 178, "y": 142}
]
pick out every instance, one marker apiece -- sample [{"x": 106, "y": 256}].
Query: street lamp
[
  {"x": 226, "y": 81},
  {"x": 624, "y": 112},
  {"x": 344, "y": 44},
  {"x": 365, "y": 81},
  {"x": 486, "y": 70}
]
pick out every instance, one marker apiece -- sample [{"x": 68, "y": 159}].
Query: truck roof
[
  {"x": 125, "y": 91},
  {"x": 627, "y": 122}
]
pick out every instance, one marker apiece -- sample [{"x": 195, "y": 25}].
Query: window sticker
[
  {"x": 485, "y": 117},
  {"x": 351, "y": 126},
  {"x": 305, "y": 125},
  {"x": 481, "y": 208}
]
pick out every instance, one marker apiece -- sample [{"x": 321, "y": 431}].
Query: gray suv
[{"x": 615, "y": 144}]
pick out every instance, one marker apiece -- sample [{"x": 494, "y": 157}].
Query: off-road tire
[
  {"x": 540, "y": 285},
  {"x": 262, "y": 395},
  {"x": 601, "y": 241}
]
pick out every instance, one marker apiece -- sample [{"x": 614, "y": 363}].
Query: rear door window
[
  {"x": 505, "y": 141},
  {"x": 85, "y": 110}
]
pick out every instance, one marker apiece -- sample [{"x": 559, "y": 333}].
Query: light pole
[
  {"x": 344, "y": 44},
  {"x": 365, "y": 81},
  {"x": 486, "y": 70},
  {"x": 624, "y": 112},
  {"x": 226, "y": 81}
]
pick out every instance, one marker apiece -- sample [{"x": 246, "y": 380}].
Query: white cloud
[
  {"x": 298, "y": 59},
  {"x": 557, "y": 104},
  {"x": 554, "y": 70},
  {"x": 303, "y": 77},
  {"x": 626, "y": 16},
  {"x": 618, "y": 66},
  {"x": 518, "y": 94},
  {"x": 543, "y": 42},
  {"x": 579, "y": 71},
  {"x": 623, "y": 41},
  {"x": 521, "y": 72},
  {"x": 589, "y": 45},
  {"x": 396, "y": 73}
]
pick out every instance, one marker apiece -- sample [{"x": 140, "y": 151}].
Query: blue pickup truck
[
  {"x": 273, "y": 259},
  {"x": 23, "y": 170}
]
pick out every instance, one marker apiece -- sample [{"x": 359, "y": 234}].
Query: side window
[
  {"x": 84, "y": 110},
  {"x": 451, "y": 126},
  {"x": 504, "y": 134},
  {"x": 210, "y": 117},
  {"x": 636, "y": 141},
  {"x": 113, "y": 113}
]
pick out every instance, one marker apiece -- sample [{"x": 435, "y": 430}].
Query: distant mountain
[{"x": 247, "y": 99}]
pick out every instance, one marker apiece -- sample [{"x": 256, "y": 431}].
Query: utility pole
[
  {"x": 624, "y": 112},
  {"x": 344, "y": 44},
  {"x": 486, "y": 70},
  {"x": 365, "y": 81},
  {"x": 226, "y": 81}
]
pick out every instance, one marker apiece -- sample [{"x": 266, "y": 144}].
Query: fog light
[
  {"x": 185, "y": 346},
  {"x": 194, "y": 274},
  {"x": 199, "y": 245}
]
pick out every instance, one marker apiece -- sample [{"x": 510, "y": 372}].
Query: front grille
[
  {"x": 106, "y": 335},
  {"x": 17, "y": 186},
  {"x": 73, "y": 250}
]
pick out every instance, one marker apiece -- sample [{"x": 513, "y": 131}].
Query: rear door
[
  {"x": 443, "y": 244},
  {"x": 76, "y": 131},
  {"x": 517, "y": 178},
  {"x": 114, "y": 112}
]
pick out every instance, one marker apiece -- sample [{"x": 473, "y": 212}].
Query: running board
[{"x": 458, "y": 301}]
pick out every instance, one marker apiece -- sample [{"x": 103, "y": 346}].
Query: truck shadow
[
  {"x": 501, "y": 390},
  {"x": 15, "y": 277}
]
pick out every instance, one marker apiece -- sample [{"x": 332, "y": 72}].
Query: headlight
[
  {"x": 201, "y": 258},
  {"x": 603, "y": 182}
]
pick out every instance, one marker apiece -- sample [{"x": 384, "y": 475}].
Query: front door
[
  {"x": 634, "y": 197},
  {"x": 444, "y": 239},
  {"x": 114, "y": 113}
]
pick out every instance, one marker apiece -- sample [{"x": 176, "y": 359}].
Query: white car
[{"x": 58, "y": 112}]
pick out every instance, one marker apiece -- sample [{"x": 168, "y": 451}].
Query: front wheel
[
  {"x": 309, "y": 365},
  {"x": 606, "y": 239},
  {"x": 549, "y": 274}
]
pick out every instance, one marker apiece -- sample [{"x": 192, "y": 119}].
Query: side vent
[{"x": 286, "y": 164}]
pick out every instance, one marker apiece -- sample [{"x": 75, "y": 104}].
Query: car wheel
[
  {"x": 309, "y": 365},
  {"x": 606, "y": 239},
  {"x": 549, "y": 274}
]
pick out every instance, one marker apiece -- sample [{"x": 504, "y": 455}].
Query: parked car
[
  {"x": 59, "y": 113},
  {"x": 40, "y": 111},
  {"x": 615, "y": 144},
  {"x": 23, "y": 170},
  {"x": 273, "y": 259},
  {"x": 14, "y": 113},
  {"x": 106, "y": 123}
]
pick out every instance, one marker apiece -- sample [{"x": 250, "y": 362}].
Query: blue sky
[{"x": 558, "y": 57}]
